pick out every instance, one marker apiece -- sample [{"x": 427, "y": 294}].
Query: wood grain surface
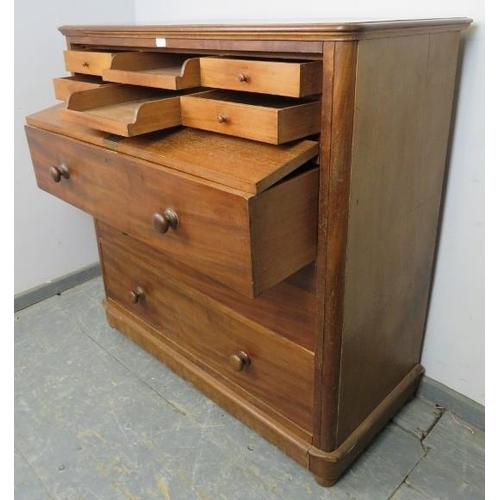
[
  {"x": 399, "y": 152},
  {"x": 214, "y": 234},
  {"x": 204, "y": 154},
  {"x": 293, "y": 79},
  {"x": 280, "y": 372},
  {"x": 268, "y": 119},
  {"x": 288, "y": 308}
]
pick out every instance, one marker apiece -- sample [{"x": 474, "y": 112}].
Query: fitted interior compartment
[
  {"x": 157, "y": 70},
  {"x": 124, "y": 110}
]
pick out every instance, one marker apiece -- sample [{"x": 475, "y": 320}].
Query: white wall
[
  {"x": 454, "y": 345},
  {"x": 51, "y": 237}
]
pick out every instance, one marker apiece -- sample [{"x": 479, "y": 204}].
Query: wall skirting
[
  {"x": 461, "y": 406},
  {"x": 53, "y": 287}
]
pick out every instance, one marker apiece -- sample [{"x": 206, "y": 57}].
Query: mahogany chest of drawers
[{"x": 266, "y": 203}]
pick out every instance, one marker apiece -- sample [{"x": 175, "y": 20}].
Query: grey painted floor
[{"x": 98, "y": 418}]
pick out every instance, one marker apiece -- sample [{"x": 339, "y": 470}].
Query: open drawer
[
  {"x": 266, "y": 118},
  {"x": 65, "y": 86},
  {"x": 149, "y": 69},
  {"x": 124, "y": 110},
  {"x": 246, "y": 241}
]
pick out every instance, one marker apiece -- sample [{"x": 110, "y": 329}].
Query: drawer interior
[
  {"x": 157, "y": 70},
  {"x": 272, "y": 102},
  {"x": 124, "y": 110}
]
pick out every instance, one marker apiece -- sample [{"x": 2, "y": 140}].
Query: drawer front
[
  {"x": 268, "y": 119},
  {"x": 64, "y": 87},
  {"x": 87, "y": 62},
  {"x": 271, "y": 368},
  {"x": 293, "y": 79},
  {"x": 247, "y": 242}
]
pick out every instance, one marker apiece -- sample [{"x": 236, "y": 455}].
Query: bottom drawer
[{"x": 276, "y": 371}]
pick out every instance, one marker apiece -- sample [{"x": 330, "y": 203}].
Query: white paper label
[{"x": 161, "y": 42}]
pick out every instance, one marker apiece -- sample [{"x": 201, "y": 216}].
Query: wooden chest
[{"x": 266, "y": 203}]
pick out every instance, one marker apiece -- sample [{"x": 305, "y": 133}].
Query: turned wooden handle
[
  {"x": 243, "y": 77},
  {"x": 239, "y": 361},
  {"x": 136, "y": 295},
  {"x": 162, "y": 222},
  {"x": 57, "y": 173},
  {"x": 222, "y": 118}
]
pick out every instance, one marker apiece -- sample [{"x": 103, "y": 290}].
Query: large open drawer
[{"x": 247, "y": 241}]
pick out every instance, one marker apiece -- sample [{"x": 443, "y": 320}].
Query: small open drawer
[
  {"x": 90, "y": 62},
  {"x": 124, "y": 110},
  {"x": 147, "y": 69},
  {"x": 286, "y": 78},
  {"x": 264, "y": 118},
  {"x": 65, "y": 86}
]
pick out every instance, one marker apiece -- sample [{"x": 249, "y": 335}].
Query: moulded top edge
[{"x": 284, "y": 30}]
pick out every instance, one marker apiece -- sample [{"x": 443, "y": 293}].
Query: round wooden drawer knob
[
  {"x": 243, "y": 77},
  {"x": 136, "y": 295},
  {"x": 58, "y": 172},
  {"x": 239, "y": 361},
  {"x": 162, "y": 222},
  {"x": 221, "y": 118}
]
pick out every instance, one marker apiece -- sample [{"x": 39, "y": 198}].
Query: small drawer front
[
  {"x": 273, "y": 369},
  {"x": 247, "y": 242},
  {"x": 293, "y": 79},
  {"x": 65, "y": 86},
  {"x": 275, "y": 120},
  {"x": 87, "y": 62}
]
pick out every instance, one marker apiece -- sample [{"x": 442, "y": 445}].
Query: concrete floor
[{"x": 98, "y": 418}]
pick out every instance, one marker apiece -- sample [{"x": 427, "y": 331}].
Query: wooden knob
[
  {"x": 58, "y": 172},
  {"x": 243, "y": 77},
  {"x": 239, "y": 361},
  {"x": 136, "y": 295},
  {"x": 85, "y": 64},
  {"x": 221, "y": 118},
  {"x": 162, "y": 222}
]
